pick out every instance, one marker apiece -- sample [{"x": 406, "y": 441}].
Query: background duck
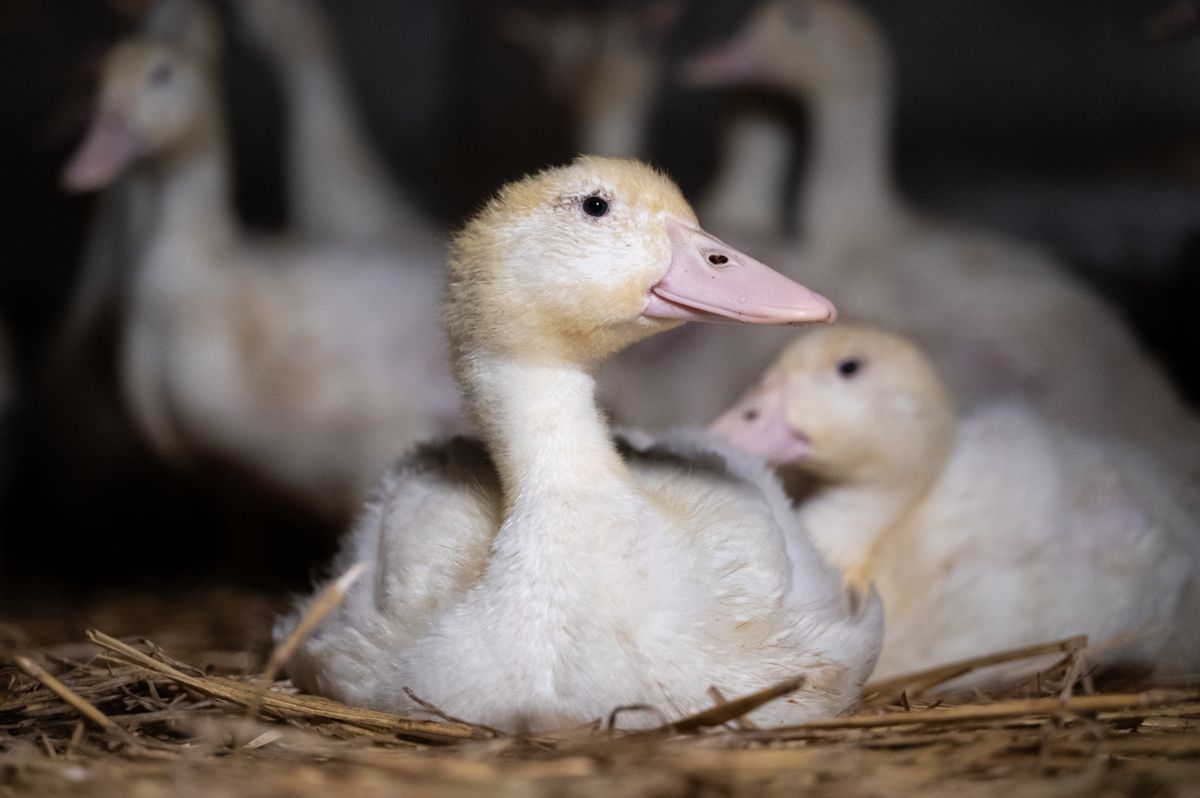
[
  {"x": 338, "y": 185},
  {"x": 998, "y": 316},
  {"x": 607, "y": 66},
  {"x": 989, "y": 532},
  {"x": 310, "y": 365},
  {"x": 542, "y": 559}
]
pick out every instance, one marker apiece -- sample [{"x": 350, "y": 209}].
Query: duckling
[
  {"x": 338, "y": 186},
  {"x": 313, "y": 366},
  {"x": 988, "y": 532},
  {"x": 998, "y": 316},
  {"x": 538, "y": 578}
]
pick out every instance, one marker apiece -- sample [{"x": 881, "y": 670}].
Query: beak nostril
[
  {"x": 718, "y": 260},
  {"x": 750, "y": 415}
]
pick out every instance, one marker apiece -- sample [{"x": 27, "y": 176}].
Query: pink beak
[
  {"x": 108, "y": 148},
  {"x": 708, "y": 280},
  {"x": 758, "y": 424}
]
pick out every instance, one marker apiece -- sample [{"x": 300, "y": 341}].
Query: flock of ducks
[{"x": 1002, "y": 466}]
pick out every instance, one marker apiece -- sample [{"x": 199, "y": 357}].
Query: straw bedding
[{"x": 113, "y": 717}]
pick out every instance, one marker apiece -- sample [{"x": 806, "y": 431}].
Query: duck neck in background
[
  {"x": 614, "y": 110},
  {"x": 748, "y": 193},
  {"x": 848, "y": 520},
  {"x": 849, "y": 194},
  {"x": 339, "y": 186},
  {"x": 194, "y": 211}
]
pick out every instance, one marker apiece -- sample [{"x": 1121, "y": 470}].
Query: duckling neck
[
  {"x": 549, "y": 441},
  {"x": 194, "y": 187},
  {"x": 849, "y": 193},
  {"x": 847, "y": 521}
]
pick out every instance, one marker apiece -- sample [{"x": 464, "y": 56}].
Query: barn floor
[{"x": 185, "y": 715}]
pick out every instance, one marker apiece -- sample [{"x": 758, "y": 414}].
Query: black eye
[
  {"x": 849, "y": 367},
  {"x": 161, "y": 74},
  {"x": 750, "y": 415},
  {"x": 595, "y": 206}
]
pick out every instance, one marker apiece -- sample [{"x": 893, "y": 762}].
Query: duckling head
[
  {"x": 809, "y": 45},
  {"x": 153, "y": 91},
  {"x": 847, "y": 404},
  {"x": 576, "y": 262}
]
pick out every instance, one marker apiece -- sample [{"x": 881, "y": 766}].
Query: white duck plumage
[
  {"x": 990, "y": 532},
  {"x": 338, "y": 184},
  {"x": 543, "y": 560},
  {"x": 312, "y": 365},
  {"x": 997, "y": 316}
]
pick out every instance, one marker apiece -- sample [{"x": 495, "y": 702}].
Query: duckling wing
[
  {"x": 1035, "y": 533},
  {"x": 764, "y": 570},
  {"x": 425, "y": 536}
]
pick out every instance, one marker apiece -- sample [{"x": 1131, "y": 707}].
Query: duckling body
[
  {"x": 999, "y": 317},
  {"x": 990, "y": 532},
  {"x": 1066, "y": 535},
  {"x": 543, "y": 577},
  {"x": 313, "y": 365}
]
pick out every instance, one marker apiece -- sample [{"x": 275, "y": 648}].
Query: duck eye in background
[
  {"x": 850, "y": 366},
  {"x": 161, "y": 74},
  {"x": 595, "y": 206}
]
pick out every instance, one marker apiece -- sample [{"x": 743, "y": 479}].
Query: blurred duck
[
  {"x": 997, "y": 316},
  {"x": 545, "y": 559},
  {"x": 338, "y": 186},
  {"x": 312, "y": 366},
  {"x": 746, "y": 198},
  {"x": 991, "y": 532},
  {"x": 607, "y": 65}
]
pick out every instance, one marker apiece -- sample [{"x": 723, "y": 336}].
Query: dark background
[{"x": 1053, "y": 120}]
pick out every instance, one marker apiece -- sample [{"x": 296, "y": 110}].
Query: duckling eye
[
  {"x": 161, "y": 74},
  {"x": 595, "y": 206},
  {"x": 849, "y": 367}
]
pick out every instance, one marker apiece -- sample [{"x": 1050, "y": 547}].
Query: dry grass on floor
[{"x": 129, "y": 720}]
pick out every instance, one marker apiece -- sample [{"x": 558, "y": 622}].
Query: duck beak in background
[
  {"x": 109, "y": 146},
  {"x": 721, "y": 65},
  {"x": 758, "y": 424},
  {"x": 708, "y": 280}
]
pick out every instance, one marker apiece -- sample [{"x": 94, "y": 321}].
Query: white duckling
[
  {"x": 312, "y": 366},
  {"x": 997, "y": 316},
  {"x": 539, "y": 578},
  {"x": 338, "y": 186},
  {"x": 992, "y": 532}
]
